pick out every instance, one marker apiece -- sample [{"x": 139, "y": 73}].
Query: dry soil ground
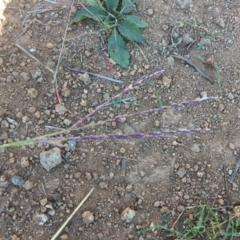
[{"x": 162, "y": 177}]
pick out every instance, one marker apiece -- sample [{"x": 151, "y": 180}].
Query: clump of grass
[{"x": 207, "y": 223}]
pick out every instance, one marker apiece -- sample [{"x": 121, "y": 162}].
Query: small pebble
[
  {"x": 150, "y": 12},
  {"x": 24, "y": 162},
  {"x": 200, "y": 174},
  {"x": 32, "y": 92},
  {"x": 166, "y": 81},
  {"x": 180, "y": 208},
  {"x": 170, "y": 61},
  {"x": 88, "y": 217},
  {"x": 128, "y": 214},
  {"x": 43, "y": 201},
  {"x": 28, "y": 185},
  {"x": 17, "y": 180},
  {"x": 77, "y": 175},
  {"x": 231, "y": 146},
  {"x": 103, "y": 185},
  {"x": 60, "y": 109},
  {"x": 88, "y": 176},
  {"x": 157, "y": 204},
  {"x": 181, "y": 172}
]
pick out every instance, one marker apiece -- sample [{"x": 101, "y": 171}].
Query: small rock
[
  {"x": 67, "y": 122},
  {"x": 24, "y": 162},
  {"x": 28, "y": 185},
  {"x": 3, "y": 182},
  {"x": 43, "y": 201},
  {"x": 150, "y": 12},
  {"x": 85, "y": 78},
  {"x": 17, "y": 180},
  {"x": 50, "y": 159},
  {"x": 15, "y": 237},
  {"x": 203, "y": 94},
  {"x": 65, "y": 91},
  {"x": 170, "y": 61},
  {"x": 1, "y": 61},
  {"x": 31, "y": 109},
  {"x": 2, "y": 111},
  {"x": 103, "y": 185},
  {"x": 180, "y": 208},
  {"x": 49, "y": 45},
  {"x": 165, "y": 27},
  {"x": 166, "y": 81},
  {"x": 88, "y": 217},
  {"x": 87, "y": 53},
  {"x": 181, "y": 172},
  {"x": 32, "y": 92},
  {"x": 26, "y": 76},
  {"x": 220, "y": 22},
  {"x": 64, "y": 237},
  {"x": 231, "y": 146},
  {"x": 157, "y": 204},
  {"x": 200, "y": 174},
  {"x": 187, "y": 39},
  {"x": 122, "y": 150},
  {"x": 24, "y": 119},
  {"x": 230, "y": 96},
  {"x": 41, "y": 219},
  {"x": 128, "y": 214},
  {"x": 221, "y": 107},
  {"x": 129, "y": 188},
  {"x": 88, "y": 176},
  {"x": 220, "y": 201},
  {"x": 60, "y": 109},
  {"x": 51, "y": 212},
  {"x": 77, "y": 175},
  {"x": 95, "y": 175},
  {"x": 36, "y": 73},
  {"x": 195, "y": 148}
]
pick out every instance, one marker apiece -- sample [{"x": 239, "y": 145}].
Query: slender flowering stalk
[
  {"x": 118, "y": 118},
  {"x": 48, "y": 138},
  {"x": 163, "y": 134},
  {"x": 126, "y": 90}
]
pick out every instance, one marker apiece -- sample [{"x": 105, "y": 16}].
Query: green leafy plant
[
  {"x": 115, "y": 16},
  {"x": 201, "y": 46}
]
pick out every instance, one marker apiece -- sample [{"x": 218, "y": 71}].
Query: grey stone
[
  {"x": 50, "y": 159},
  {"x": 181, "y": 172}
]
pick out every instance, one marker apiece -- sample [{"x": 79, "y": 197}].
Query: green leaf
[
  {"x": 128, "y": 5},
  {"x": 130, "y": 31},
  {"x": 117, "y": 49},
  {"x": 112, "y": 5},
  {"x": 136, "y": 20},
  {"x": 92, "y": 12}
]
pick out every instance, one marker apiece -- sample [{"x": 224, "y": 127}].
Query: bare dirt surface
[{"x": 162, "y": 176}]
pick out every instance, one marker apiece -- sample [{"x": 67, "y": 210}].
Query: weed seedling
[
  {"x": 202, "y": 34},
  {"x": 212, "y": 37},
  {"x": 115, "y": 16},
  {"x": 201, "y": 46}
]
